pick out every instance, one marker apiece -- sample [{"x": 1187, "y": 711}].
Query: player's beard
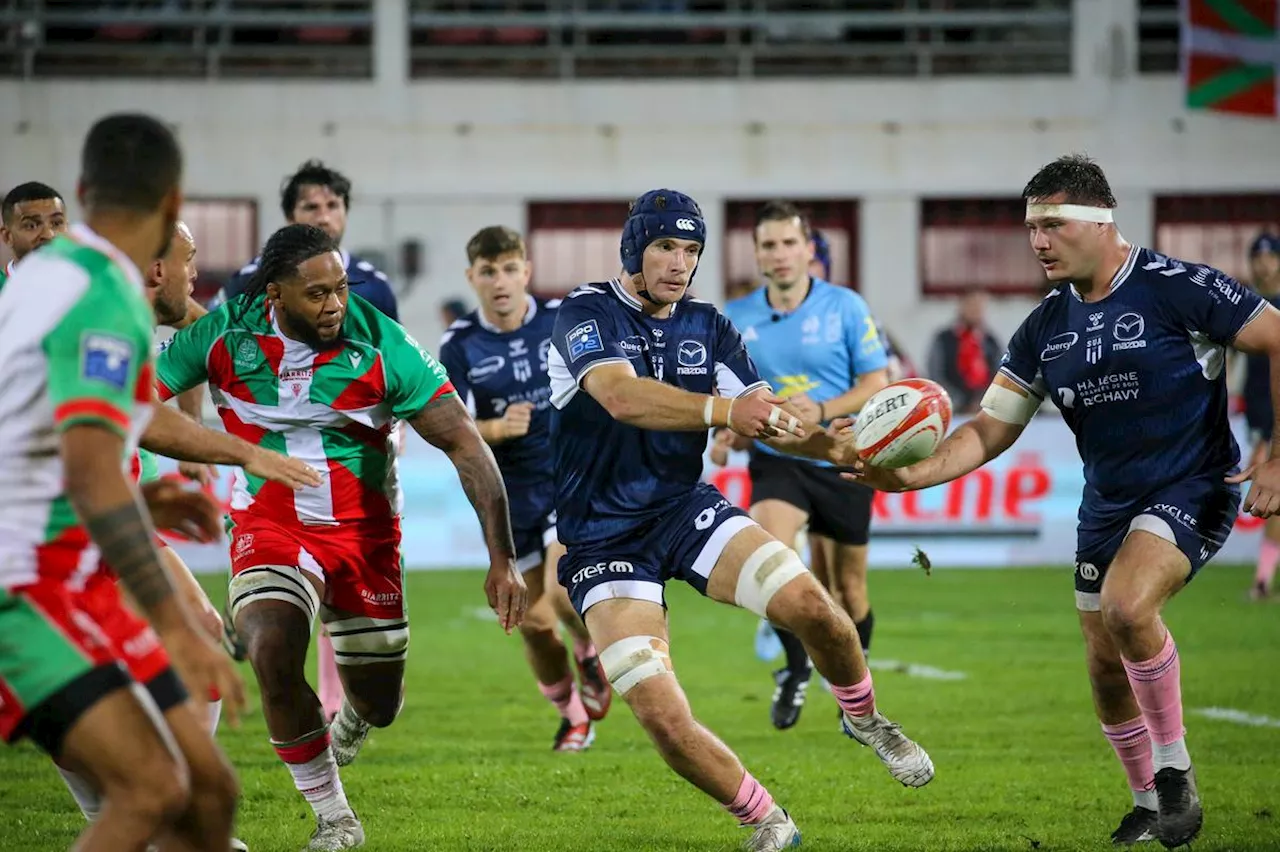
[
  {"x": 168, "y": 313},
  {"x": 307, "y": 333}
]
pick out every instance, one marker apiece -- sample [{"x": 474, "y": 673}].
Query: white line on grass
[
  {"x": 1240, "y": 717},
  {"x": 915, "y": 670}
]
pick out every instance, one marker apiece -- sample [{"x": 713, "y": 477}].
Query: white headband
[{"x": 1079, "y": 212}]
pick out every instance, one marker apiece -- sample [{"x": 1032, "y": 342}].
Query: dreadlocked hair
[{"x": 284, "y": 252}]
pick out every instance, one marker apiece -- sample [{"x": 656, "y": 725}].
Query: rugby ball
[{"x": 903, "y": 423}]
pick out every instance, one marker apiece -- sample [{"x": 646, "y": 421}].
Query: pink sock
[
  {"x": 1156, "y": 686},
  {"x": 583, "y": 649},
  {"x": 1268, "y": 556},
  {"x": 1132, "y": 745},
  {"x": 330, "y": 683},
  {"x": 753, "y": 802},
  {"x": 856, "y": 700},
  {"x": 564, "y": 695}
]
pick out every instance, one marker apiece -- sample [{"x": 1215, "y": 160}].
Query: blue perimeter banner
[{"x": 1019, "y": 510}]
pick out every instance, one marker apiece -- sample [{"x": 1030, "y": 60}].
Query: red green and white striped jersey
[
  {"x": 333, "y": 409},
  {"x": 75, "y": 345}
]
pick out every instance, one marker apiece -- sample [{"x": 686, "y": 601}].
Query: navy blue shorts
[
  {"x": 1195, "y": 516},
  {"x": 683, "y": 543},
  {"x": 532, "y": 542}
]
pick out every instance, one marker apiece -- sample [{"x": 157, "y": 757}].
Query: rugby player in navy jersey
[
  {"x": 1264, "y": 263},
  {"x": 639, "y": 371},
  {"x": 497, "y": 360},
  {"x": 1130, "y": 346},
  {"x": 318, "y": 195}
]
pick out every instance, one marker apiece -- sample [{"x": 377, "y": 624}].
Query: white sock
[
  {"x": 215, "y": 713},
  {"x": 318, "y": 782},
  {"x": 1145, "y": 799},
  {"x": 1172, "y": 755},
  {"x": 83, "y": 792}
]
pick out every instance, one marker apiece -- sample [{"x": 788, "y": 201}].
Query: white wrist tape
[
  {"x": 1079, "y": 212},
  {"x": 709, "y": 409}
]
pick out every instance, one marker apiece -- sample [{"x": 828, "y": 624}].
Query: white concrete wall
[{"x": 440, "y": 160}]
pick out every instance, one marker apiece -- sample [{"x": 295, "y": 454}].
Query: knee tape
[
  {"x": 771, "y": 567},
  {"x": 273, "y": 583},
  {"x": 630, "y": 661},
  {"x": 361, "y": 641}
]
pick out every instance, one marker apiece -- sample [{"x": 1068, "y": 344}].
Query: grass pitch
[{"x": 1021, "y": 762}]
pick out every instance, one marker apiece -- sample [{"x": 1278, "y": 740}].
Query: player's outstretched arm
[
  {"x": 1006, "y": 410},
  {"x": 445, "y": 424},
  {"x": 650, "y": 404},
  {"x": 174, "y": 435}
]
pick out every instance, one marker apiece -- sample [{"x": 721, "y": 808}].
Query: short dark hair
[
  {"x": 313, "y": 173},
  {"x": 1075, "y": 175},
  {"x": 286, "y": 250},
  {"x": 24, "y": 192},
  {"x": 129, "y": 162},
  {"x": 783, "y": 211},
  {"x": 494, "y": 241}
]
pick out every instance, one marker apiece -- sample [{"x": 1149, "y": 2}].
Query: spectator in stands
[{"x": 965, "y": 355}]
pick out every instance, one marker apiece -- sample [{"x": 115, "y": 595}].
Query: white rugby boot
[
  {"x": 336, "y": 835},
  {"x": 906, "y": 761},
  {"x": 775, "y": 833}
]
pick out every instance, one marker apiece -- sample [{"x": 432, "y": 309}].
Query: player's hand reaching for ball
[
  {"x": 845, "y": 454},
  {"x": 516, "y": 418},
  {"x": 758, "y": 416},
  {"x": 507, "y": 594},
  {"x": 809, "y": 411},
  {"x": 1263, "y": 497},
  {"x": 294, "y": 473}
]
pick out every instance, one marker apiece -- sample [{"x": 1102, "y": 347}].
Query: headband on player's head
[
  {"x": 656, "y": 214},
  {"x": 822, "y": 252},
  {"x": 1265, "y": 243},
  {"x": 1078, "y": 212}
]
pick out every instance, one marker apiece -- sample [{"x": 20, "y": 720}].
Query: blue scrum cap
[{"x": 656, "y": 214}]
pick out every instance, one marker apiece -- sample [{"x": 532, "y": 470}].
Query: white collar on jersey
[
  {"x": 1121, "y": 276},
  {"x": 528, "y": 316},
  {"x": 85, "y": 235},
  {"x": 631, "y": 301},
  {"x": 8, "y": 268}
]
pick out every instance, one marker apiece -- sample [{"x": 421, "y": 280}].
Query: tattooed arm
[{"x": 445, "y": 424}]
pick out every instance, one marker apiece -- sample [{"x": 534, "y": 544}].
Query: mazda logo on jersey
[
  {"x": 485, "y": 368},
  {"x": 691, "y": 353},
  {"x": 1129, "y": 327},
  {"x": 691, "y": 358}
]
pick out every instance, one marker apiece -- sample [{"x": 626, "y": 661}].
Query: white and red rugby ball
[{"x": 903, "y": 423}]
